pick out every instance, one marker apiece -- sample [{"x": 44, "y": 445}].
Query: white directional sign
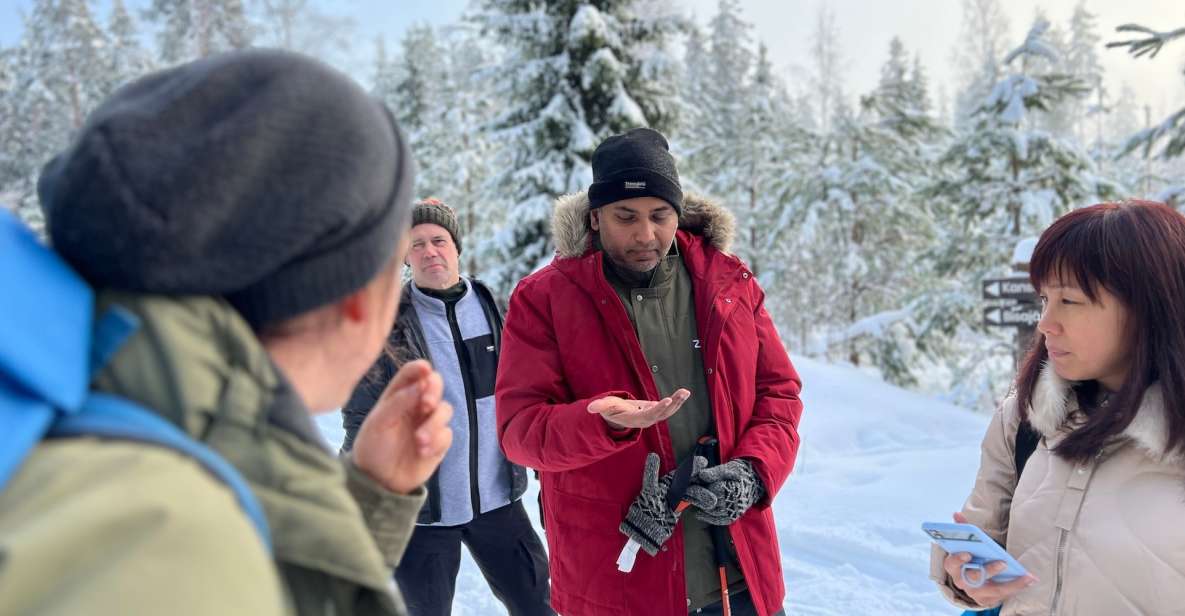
[
  {"x": 1016, "y": 315},
  {"x": 1009, "y": 288}
]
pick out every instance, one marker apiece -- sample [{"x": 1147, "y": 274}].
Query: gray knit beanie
[
  {"x": 262, "y": 176},
  {"x": 436, "y": 212}
]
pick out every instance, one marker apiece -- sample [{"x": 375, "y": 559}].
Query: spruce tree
[
  {"x": 58, "y": 73},
  {"x": 572, "y": 74},
  {"x": 436, "y": 90},
  {"x": 1002, "y": 180},
  {"x": 1169, "y": 134},
  {"x": 192, "y": 29},
  {"x": 127, "y": 59},
  {"x": 862, "y": 229}
]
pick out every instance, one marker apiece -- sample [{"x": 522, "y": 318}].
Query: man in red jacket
[{"x": 640, "y": 337}]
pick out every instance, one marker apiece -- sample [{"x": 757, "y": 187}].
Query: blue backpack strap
[
  {"x": 108, "y": 416},
  {"x": 50, "y": 346},
  {"x": 45, "y": 331}
]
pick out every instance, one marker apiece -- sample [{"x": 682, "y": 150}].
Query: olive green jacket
[{"x": 115, "y": 527}]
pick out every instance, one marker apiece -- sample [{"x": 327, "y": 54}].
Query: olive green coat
[{"x": 115, "y": 527}]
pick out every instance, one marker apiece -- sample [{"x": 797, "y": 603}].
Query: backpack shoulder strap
[
  {"x": 112, "y": 417},
  {"x": 51, "y": 345},
  {"x": 1026, "y": 443},
  {"x": 45, "y": 335}
]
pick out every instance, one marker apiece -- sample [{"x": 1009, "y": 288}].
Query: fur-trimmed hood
[
  {"x": 572, "y": 232},
  {"x": 1054, "y": 403}
]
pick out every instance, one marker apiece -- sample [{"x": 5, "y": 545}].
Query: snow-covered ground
[{"x": 876, "y": 461}]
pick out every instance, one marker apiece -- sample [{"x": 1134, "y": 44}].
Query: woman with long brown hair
[{"x": 1097, "y": 515}]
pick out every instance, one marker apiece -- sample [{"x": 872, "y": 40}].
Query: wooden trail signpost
[{"x": 1011, "y": 301}]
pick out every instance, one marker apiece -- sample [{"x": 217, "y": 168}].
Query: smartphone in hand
[{"x": 955, "y": 538}]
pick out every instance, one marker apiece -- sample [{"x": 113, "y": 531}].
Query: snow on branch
[
  {"x": 1035, "y": 44},
  {"x": 1172, "y": 128}
]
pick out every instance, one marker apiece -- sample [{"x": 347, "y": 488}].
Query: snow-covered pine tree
[
  {"x": 1082, "y": 61},
  {"x": 773, "y": 159},
  {"x": 862, "y": 227},
  {"x": 10, "y": 166},
  {"x": 127, "y": 59},
  {"x": 1060, "y": 119},
  {"x": 300, "y": 25},
  {"x": 385, "y": 77},
  {"x": 420, "y": 69},
  {"x": 919, "y": 85},
  {"x": 1122, "y": 120},
  {"x": 741, "y": 142},
  {"x": 435, "y": 91},
  {"x": 1169, "y": 134},
  {"x": 715, "y": 137},
  {"x": 1002, "y": 180},
  {"x": 192, "y": 29},
  {"x": 977, "y": 54},
  {"x": 58, "y": 74},
  {"x": 463, "y": 150},
  {"x": 572, "y": 74},
  {"x": 827, "y": 75}
]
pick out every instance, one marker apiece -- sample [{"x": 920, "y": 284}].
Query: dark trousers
[
  {"x": 740, "y": 604},
  {"x": 506, "y": 549}
]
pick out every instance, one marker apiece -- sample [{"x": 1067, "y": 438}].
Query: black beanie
[
  {"x": 637, "y": 163},
  {"x": 262, "y": 176}
]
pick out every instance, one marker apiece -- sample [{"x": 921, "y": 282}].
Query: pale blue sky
[{"x": 929, "y": 27}]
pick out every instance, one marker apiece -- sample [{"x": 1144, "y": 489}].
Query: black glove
[
  {"x": 725, "y": 492},
  {"x": 650, "y": 521}
]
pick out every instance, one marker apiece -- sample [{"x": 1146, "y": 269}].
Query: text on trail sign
[
  {"x": 1016, "y": 315},
  {"x": 1009, "y": 288}
]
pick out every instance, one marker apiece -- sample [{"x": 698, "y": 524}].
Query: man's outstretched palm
[{"x": 621, "y": 414}]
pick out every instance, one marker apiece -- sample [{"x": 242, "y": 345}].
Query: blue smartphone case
[{"x": 956, "y": 538}]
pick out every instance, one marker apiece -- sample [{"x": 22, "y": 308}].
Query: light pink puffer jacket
[{"x": 1105, "y": 538}]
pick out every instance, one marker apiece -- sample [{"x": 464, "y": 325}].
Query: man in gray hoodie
[{"x": 475, "y": 496}]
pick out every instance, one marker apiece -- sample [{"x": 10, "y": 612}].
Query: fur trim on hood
[
  {"x": 1054, "y": 402},
  {"x": 572, "y": 233}
]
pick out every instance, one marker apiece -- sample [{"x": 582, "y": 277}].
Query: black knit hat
[
  {"x": 637, "y": 163},
  {"x": 434, "y": 211},
  {"x": 262, "y": 176}
]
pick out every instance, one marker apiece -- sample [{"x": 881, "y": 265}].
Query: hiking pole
[{"x": 708, "y": 447}]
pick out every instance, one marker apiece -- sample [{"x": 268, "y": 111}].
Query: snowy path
[{"x": 876, "y": 461}]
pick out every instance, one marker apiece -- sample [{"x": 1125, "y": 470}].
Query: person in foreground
[
  {"x": 247, "y": 209},
  {"x": 642, "y": 337},
  {"x": 1094, "y": 515},
  {"x": 475, "y": 498}
]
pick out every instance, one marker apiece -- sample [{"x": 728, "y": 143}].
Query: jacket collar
[
  {"x": 572, "y": 232},
  {"x": 1054, "y": 405},
  {"x": 431, "y": 304}
]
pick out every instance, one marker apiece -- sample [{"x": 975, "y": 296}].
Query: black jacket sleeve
[{"x": 365, "y": 395}]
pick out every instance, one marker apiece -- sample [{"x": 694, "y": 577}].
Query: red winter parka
[{"x": 568, "y": 341}]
